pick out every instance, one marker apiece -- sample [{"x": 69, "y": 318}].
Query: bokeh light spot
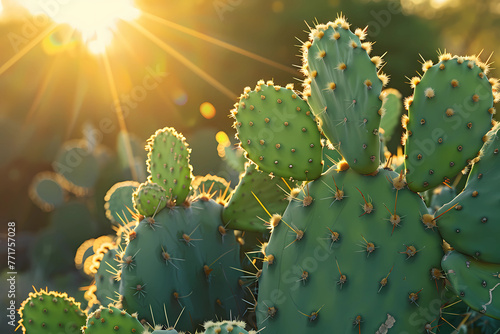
[
  {"x": 207, "y": 110},
  {"x": 179, "y": 96},
  {"x": 278, "y": 6},
  {"x": 222, "y": 138}
]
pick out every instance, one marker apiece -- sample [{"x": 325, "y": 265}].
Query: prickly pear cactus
[
  {"x": 182, "y": 262},
  {"x": 277, "y": 130},
  {"x": 51, "y": 312},
  {"x": 112, "y": 320},
  {"x": 448, "y": 116},
  {"x": 357, "y": 250},
  {"x": 343, "y": 88}
]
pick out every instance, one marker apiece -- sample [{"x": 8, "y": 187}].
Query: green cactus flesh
[
  {"x": 392, "y": 107},
  {"x": 346, "y": 257},
  {"x": 168, "y": 163},
  {"x": 449, "y": 114},
  {"x": 476, "y": 283},
  {"x": 244, "y": 212},
  {"x": 119, "y": 204},
  {"x": 183, "y": 258},
  {"x": 51, "y": 312},
  {"x": 112, "y": 320},
  {"x": 343, "y": 90},
  {"x": 226, "y": 327},
  {"x": 149, "y": 198},
  {"x": 469, "y": 222},
  {"x": 278, "y": 132},
  {"x": 440, "y": 196}
]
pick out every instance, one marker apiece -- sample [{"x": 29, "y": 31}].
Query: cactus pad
[
  {"x": 212, "y": 185},
  {"x": 278, "y": 132},
  {"x": 183, "y": 257},
  {"x": 471, "y": 227},
  {"x": 119, "y": 203},
  {"x": 168, "y": 163},
  {"x": 448, "y": 115},
  {"x": 149, "y": 198},
  {"x": 476, "y": 283},
  {"x": 112, "y": 320},
  {"x": 51, "y": 312},
  {"x": 346, "y": 255},
  {"x": 343, "y": 90}
]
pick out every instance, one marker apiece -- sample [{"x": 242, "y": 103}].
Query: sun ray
[
  {"x": 186, "y": 62},
  {"x": 21, "y": 53},
  {"x": 119, "y": 114},
  {"x": 218, "y": 42}
]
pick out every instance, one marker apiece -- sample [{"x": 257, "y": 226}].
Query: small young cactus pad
[
  {"x": 343, "y": 89},
  {"x": 112, "y": 320},
  {"x": 448, "y": 115},
  {"x": 149, "y": 198},
  {"x": 277, "y": 130},
  {"x": 51, "y": 312},
  {"x": 226, "y": 327},
  {"x": 168, "y": 163}
]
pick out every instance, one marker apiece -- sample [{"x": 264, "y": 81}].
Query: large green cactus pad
[
  {"x": 343, "y": 90},
  {"x": 51, "y": 312},
  {"x": 184, "y": 257},
  {"x": 472, "y": 226},
  {"x": 476, "y": 283},
  {"x": 168, "y": 163},
  {"x": 244, "y": 212},
  {"x": 390, "y": 268},
  {"x": 449, "y": 114},
  {"x": 278, "y": 132}
]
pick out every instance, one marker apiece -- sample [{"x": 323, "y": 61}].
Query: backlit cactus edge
[{"x": 353, "y": 248}]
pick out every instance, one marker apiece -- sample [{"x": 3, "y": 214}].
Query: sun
[{"x": 95, "y": 20}]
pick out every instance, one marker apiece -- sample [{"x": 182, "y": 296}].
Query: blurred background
[{"x": 83, "y": 84}]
